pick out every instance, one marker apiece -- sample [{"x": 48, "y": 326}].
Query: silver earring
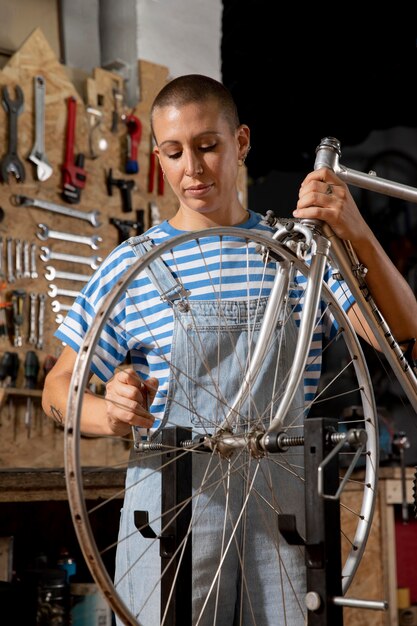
[{"x": 243, "y": 159}]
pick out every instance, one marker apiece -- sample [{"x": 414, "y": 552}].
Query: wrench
[
  {"x": 2, "y": 272},
  {"x": 18, "y": 259},
  {"x": 41, "y": 320},
  {"x": 57, "y": 306},
  {"x": 32, "y": 317},
  {"x": 33, "y": 270},
  {"x": 45, "y": 233},
  {"x": 26, "y": 261},
  {"x": 9, "y": 255},
  {"x": 49, "y": 255},
  {"x": 51, "y": 273},
  {"x": 10, "y": 163},
  {"x": 54, "y": 291},
  {"x": 38, "y": 156},
  {"x": 92, "y": 216}
]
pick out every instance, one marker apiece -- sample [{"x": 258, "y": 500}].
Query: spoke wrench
[{"x": 10, "y": 163}]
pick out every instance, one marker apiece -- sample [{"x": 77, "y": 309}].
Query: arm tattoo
[{"x": 56, "y": 414}]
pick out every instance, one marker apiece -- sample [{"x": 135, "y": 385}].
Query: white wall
[{"x": 183, "y": 35}]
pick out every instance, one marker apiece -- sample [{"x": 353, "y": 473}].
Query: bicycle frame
[
  {"x": 325, "y": 246},
  {"x": 344, "y": 258}
]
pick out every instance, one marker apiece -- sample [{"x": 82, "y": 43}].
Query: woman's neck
[{"x": 192, "y": 220}]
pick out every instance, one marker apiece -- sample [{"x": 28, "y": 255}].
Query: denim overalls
[{"x": 271, "y": 580}]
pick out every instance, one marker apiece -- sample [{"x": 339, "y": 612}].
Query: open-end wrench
[
  {"x": 90, "y": 216},
  {"x": 10, "y": 163},
  {"x": 38, "y": 156},
  {"x": 52, "y": 273},
  {"x": 41, "y": 321},
  {"x": 2, "y": 272},
  {"x": 33, "y": 270},
  {"x": 50, "y": 255},
  {"x": 26, "y": 259},
  {"x": 18, "y": 250},
  {"x": 9, "y": 256},
  {"x": 32, "y": 317},
  {"x": 46, "y": 233}
]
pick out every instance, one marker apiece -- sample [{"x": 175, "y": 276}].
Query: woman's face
[{"x": 199, "y": 154}]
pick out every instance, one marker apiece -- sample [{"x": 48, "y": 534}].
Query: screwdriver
[
  {"x": 31, "y": 371},
  {"x": 4, "y": 368},
  {"x": 9, "y": 368},
  {"x": 4, "y": 372}
]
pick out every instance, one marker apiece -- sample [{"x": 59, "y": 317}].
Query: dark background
[
  {"x": 327, "y": 70},
  {"x": 314, "y": 71}
]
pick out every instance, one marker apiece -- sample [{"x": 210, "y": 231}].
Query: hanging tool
[
  {"x": 73, "y": 173},
  {"x": 5, "y": 365},
  {"x": 18, "y": 306},
  {"x": 89, "y": 216},
  {"x": 31, "y": 371},
  {"x": 4, "y": 306},
  {"x": 116, "y": 113},
  {"x": 154, "y": 214},
  {"x": 125, "y": 187},
  {"x": 134, "y": 134},
  {"x": 95, "y": 119},
  {"x": 10, "y": 163},
  {"x": 9, "y": 369},
  {"x": 37, "y": 155},
  {"x": 154, "y": 165},
  {"x": 125, "y": 226}
]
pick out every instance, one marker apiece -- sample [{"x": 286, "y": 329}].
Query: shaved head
[{"x": 197, "y": 89}]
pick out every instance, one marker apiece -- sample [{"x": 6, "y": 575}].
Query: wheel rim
[{"x": 81, "y": 514}]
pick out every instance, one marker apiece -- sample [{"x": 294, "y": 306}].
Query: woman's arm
[
  {"x": 121, "y": 408},
  {"x": 325, "y": 197}
]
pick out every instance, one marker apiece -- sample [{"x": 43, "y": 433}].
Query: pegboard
[
  {"x": 100, "y": 135},
  {"x": 104, "y": 128}
]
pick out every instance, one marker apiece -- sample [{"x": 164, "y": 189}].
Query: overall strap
[{"x": 170, "y": 289}]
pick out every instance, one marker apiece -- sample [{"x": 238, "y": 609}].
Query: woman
[{"x": 201, "y": 144}]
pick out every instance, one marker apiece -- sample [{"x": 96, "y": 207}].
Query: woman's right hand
[{"x": 127, "y": 398}]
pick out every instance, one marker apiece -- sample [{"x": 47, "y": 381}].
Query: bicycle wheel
[{"x": 219, "y": 489}]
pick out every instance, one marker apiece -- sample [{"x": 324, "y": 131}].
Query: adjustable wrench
[
  {"x": 10, "y": 163},
  {"x": 45, "y": 233},
  {"x": 37, "y": 156},
  {"x": 89, "y": 216}
]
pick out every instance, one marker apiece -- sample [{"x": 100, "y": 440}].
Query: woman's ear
[{"x": 243, "y": 138}]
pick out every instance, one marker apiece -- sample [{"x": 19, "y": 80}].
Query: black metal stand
[
  {"x": 176, "y": 507},
  {"x": 323, "y": 546},
  {"x": 322, "y": 541},
  {"x": 176, "y": 491}
]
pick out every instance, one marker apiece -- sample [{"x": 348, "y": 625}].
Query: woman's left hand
[{"x": 324, "y": 196}]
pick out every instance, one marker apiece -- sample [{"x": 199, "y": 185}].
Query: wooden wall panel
[{"x": 44, "y": 446}]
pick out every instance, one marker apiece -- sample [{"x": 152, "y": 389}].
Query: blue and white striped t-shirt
[{"x": 142, "y": 324}]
